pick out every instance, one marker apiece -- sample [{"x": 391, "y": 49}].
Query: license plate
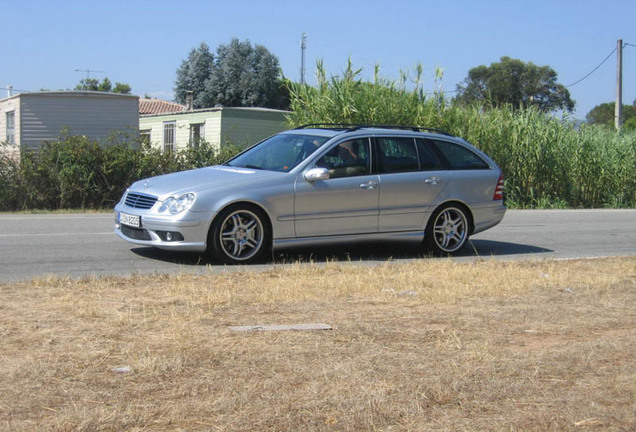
[{"x": 130, "y": 220}]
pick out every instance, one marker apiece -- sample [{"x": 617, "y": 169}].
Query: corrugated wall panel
[
  {"x": 243, "y": 127},
  {"x": 43, "y": 117},
  {"x": 213, "y": 130}
]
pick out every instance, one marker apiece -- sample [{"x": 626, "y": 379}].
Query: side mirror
[{"x": 317, "y": 174}]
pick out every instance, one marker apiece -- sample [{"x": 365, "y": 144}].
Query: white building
[
  {"x": 217, "y": 126},
  {"x": 29, "y": 119}
]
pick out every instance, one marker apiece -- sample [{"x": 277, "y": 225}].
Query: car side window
[
  {"x": 459, "y": 157},
  {"x": 397, "y": 155},
  {"x": 429, "y": 161},
  {"x": 347, "y": 159}
]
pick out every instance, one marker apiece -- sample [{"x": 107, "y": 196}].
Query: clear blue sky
[{"x": 143, "y": 42}]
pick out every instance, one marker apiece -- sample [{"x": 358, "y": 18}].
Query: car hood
[{"x": 198, "y": 180}]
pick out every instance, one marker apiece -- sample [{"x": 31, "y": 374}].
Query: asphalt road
[{"x": 79, "y": 245}]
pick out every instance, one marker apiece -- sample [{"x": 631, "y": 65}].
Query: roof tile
[{"x": 158, "y": 106}]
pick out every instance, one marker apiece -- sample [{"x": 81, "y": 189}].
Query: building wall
[
  {"x": 43, "y": 116},
  {"x": 246, "y": 126},
  {"x": 239, "y": 126},
  {"x": 9, "y": 105},
  {"x": 155, "y": 124}
]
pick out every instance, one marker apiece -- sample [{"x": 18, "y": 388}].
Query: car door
[
  {"x": 347, "y": 202},
  {"x": 411, "y": 179},
  {"x": 472, "y": 178}
]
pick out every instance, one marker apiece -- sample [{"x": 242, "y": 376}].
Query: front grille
[
  {"x": 140, "y": 201},
  {"x": 134, "y": 233}
]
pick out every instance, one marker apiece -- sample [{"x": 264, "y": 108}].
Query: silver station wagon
[{"x": 321, "y": 184}]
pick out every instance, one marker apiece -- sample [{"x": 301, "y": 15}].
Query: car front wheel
[
  {"x": 239, "y": 235},
  {"x": 447, "y": 230}
]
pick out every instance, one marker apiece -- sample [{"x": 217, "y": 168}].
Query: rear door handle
[
  {"x": 369, "y": 185},
  {"x": 432, "y": 180}
]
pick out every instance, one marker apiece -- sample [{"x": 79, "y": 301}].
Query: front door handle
[
  {"x": 432, "y": 180},
  {"x": 369, "y": 185}
]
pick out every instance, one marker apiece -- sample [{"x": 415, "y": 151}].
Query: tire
[
  {"x": 239, "y": 235},
  {"x": 447, "y": 230}
]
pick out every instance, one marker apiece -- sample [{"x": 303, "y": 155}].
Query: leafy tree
[
  {"x": 105, "y": 86},
  {"x": 93, "y": 84},
  {"x": 193, "y": 73},
  {"x": 630, "y": 124},
  {"x": 514, "y": 82},
  {"x": 603, "y": 114},
  {"x": 89, "y": 84},
  {"x": 239, "y": 74},
  {"x": 122, "y": 88}
]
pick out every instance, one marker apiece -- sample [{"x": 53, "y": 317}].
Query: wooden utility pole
[{"x": 618, "y": 110}]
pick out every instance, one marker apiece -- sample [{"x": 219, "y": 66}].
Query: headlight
[{"x": 177, "y": 205}]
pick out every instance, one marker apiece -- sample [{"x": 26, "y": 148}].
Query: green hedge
[{"x": 75, "y": 172}]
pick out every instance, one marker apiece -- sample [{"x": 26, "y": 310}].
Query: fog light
[{"x": 170, "y": 236}]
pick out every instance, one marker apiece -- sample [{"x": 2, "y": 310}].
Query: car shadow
[
  {"x": 174, "y": 257},
  {"x": 390, "y": 252},
  {"x": 488, "y": 248},
  {"x": 352, "y": 252}
]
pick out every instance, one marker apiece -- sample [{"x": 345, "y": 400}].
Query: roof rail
[
  {"x": 337, "y": 126},
  {"x": 353, "y": 127}
]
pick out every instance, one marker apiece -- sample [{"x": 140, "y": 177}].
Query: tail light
[{"x": 499, "y": 190}]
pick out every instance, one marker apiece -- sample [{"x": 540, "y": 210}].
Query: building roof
[
  {"x": 158, "y": 106},
  {"x": 216, "y": 109},
  {"x": 70, "y": 93}
]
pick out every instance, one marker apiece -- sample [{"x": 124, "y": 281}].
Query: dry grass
[{"x": 427, "y": 345}]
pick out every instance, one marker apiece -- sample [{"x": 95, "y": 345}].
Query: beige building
[
  {"x": 29, "y": 119},
  {"x": 217, "y": 126}
]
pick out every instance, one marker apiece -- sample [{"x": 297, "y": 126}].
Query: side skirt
[{"x": 408, "y": 237}]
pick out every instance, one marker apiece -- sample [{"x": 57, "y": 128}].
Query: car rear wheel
[
  {"x": 239, "y": 235},
  {"x": 447, "y": 231}
]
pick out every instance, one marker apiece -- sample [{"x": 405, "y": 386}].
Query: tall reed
[{"x": 548, "y": 162}]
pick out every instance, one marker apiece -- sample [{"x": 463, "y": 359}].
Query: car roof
[
  {"x": 356, "y": 129},
  {"x": 316, "y": 132}
]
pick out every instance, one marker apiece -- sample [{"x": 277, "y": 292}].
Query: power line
[
  {"x": 444, "y": 92},
  {"x": 88, "y": 72},
  {"x": 593, "y": 70}
]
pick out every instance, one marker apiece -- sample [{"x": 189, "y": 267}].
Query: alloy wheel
[
  {"x": 242, "y": 235},
  {"x": 450, "y": 230}
]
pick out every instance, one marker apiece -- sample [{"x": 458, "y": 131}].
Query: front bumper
[{"x": 184, "y": 232}]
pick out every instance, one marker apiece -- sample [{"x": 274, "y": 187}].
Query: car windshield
[{"x": 279, "y": 153}]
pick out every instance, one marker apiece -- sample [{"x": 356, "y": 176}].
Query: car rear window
[
  {"x": 429, "y": 161},
  {"x": 459, "y": 157}
]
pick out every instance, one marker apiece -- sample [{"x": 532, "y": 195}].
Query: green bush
[
  {"x": 547, "y": 162},
  {"x": 76, "y": 172},
  {"x": 10, "y": 183}
]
